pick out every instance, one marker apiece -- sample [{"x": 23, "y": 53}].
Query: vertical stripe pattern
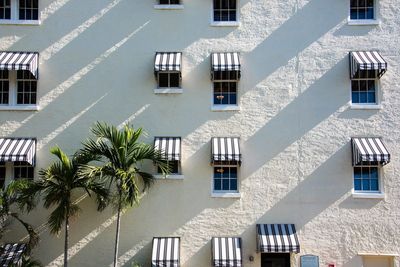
[
  {"x": 367, "y": 60},
  {"x": 277, "y": 238},
  {"x": 166, "y": 252},
  {"x": 20, "y": 61},
  {"x": 12, "y": 254},
  {"x": 369, "y": 149},
  {"x": 227, "y": 251},
  {"x": 18, "y": 149},
  {"x": 170, "y": 147},
  {"x": 225, "y": 61},
  {"x": 168, "y": 61},
  {"x": 226, "y": 149}
]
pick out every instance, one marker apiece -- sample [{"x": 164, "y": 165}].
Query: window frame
[
  {"x": 25, "y": 165},
  {"x": 234, "y": 23},
  {"x": 173, "y": 176},
  {"x": 369, "y": 193},
  {"x": 169, "y": 6},
  {"x": 168, "y": 90},
  {"x": 375, "y": 105},
  {"x": 225, "y": 193},
  {"x": 13, "y": 93},
  {"x": 225, "y": 107},
  {"x": 15, "y": 20},
  {"x": 373, "y": 21}
]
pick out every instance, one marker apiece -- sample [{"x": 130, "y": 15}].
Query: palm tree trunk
[
  {"x": 117, "y": 232},
  {"x": 66, "y": 241}
]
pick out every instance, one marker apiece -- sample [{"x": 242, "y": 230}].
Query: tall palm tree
[
  {"x": 12, "y": 195},
  {"x": 58, "y": 182},
  {"x": 121, "y": 154}
]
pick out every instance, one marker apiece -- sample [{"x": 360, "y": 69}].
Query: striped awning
[
  {"x": 225, "y": 149},
  {"x": 169, "y": 146},
  {"x": 168, "y": 61},
  {"x": 225, "y": 61},
  {"x": 368, "y": 150},
  {"x": 18, "y": 149},
  {"x": 367, "y": 60},
  {"x": 20, "y": 61},
  {"x": 11, "y": 254},
  {"x": 227, "y": 251},
  {"x": 166, "y": 252},
  {"x": 277, "y": 238}
]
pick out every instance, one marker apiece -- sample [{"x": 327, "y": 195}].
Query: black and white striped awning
[
  {"x": 227, "y": 251},
  {"x": 225, "y": 61},
  {"x": 20, "y": 61},
  {"x": 168, "y": 61},
  {"x": 226, "y": 150},
  {"x": 11, "y": 254},
  {"x": 169, "y": 146},
  {"x": 367, "y": 60},
  {"x": 166, "y": 252},
  {"x": 18, "y": 149},
  {"x": 367, "y": 150},
  {"x": 277, "y": 238}
]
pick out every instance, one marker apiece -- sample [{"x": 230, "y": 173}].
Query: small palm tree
[
  {"x": 58, "y": 182},
  {"x": 11, "y": 195},
  {"x": 121, "y": 154}
]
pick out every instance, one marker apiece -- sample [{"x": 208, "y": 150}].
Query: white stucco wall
[{"x": 295, "y": 123}]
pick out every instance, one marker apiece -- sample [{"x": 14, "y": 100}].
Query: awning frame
[
  {"x": 169, "y": 146},
  {"x": 157, "y": 256},
  {"x": 225, "y": 62},
  {"x": 229, "y": 252},
  {"x": 18, "y": 149},
  {"x": 221, "y": 148},
  {"x": 20, "y": 60},
  {"x": 277, "y": 238},
  {"x": 366, "y": 60},
  {"x": 370, "y": 151},
  {"x": 164, "y": 63}
]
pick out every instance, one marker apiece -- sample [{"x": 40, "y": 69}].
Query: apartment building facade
[{"x": 279, "y": 119}]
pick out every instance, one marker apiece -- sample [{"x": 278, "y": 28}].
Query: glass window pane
[
  {"x": 232, "y": 4},
  {"x": 365, "y": 184},
  {"x": 232, "y": 99},
  {"x": 374, "y": 185},
  {"x": 217, "y": 184},
  {"x": 357, "y": 172},
  {"x": 217, "y": 4},
  {"x": 232, "y": 15},
  {"x": 233, "y": 172},
  {"x": 374, "y": 172},
  {"x": 174, "y": 80},
  {"x": 370, "y": 13},
  {"x": 355, "y": 97},
  {"x": 363, "y": 97},
  {"x": 224, "y": 15},
  {"x": 353, "y": 14},
  {"x": 233, "y": 184},
  {"x": 357, "y": 184},
  {"x": 225, "y": 184},
  {"x": 353, "y": 3},
  {"x": 162, "y": 80},
  {"x": 371, "y": 97},
  {"x": 362, "y": 13},
  {"x": 217, "y": 16}
]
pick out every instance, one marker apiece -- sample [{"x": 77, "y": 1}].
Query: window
[
  {"x": 19, "y": 10},
  {"x": 225, "y": 87},
  {"x": 169, "y": 2},
  {"x": 2, "y": 174},
  {"x": 362, "y": 9},
  {"x": 169, "y": 80},
  {"x": 23, "y": 170},
  {"x": 364, "y": 87},
  {"x": 173, "y": 165},
  {"x": 225, "y": 179},
  {"x": 366, "y": 179},
  {"x": 18, "y": 88},
  {"x": 224, "y": 10}
]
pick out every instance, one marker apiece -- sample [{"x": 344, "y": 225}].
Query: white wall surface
[{"x": 295, "y": 123}]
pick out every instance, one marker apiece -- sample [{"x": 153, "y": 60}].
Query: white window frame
[
  {"x": 235, "y": 23},
  {"x": 225, "y": 107},
  {"x": 361, "y": 22},
  {"x": 13, "y": 91},
  {"x": 15, "y": 16},
  {"x": 169, "y": 6},
  {"x": 168, "y": 90},
  {"x": 376, "y": 105},
  {"x": 172, "y": 176},
  {"x": 369, "y": 194},
  {"x": 225, "y": 193},
  {"x": 26, "y": 165}
]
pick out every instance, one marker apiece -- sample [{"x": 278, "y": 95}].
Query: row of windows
[{"x": 223, "y": 10}]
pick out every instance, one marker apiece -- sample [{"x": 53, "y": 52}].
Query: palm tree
[
  {"x": 121, "y": 154},
  {"x": 12, "y": 195},
  {"x": 58, "y": 182}
]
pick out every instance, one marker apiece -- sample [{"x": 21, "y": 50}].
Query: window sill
[
  {"x": 226, "y": 195},
  {"x": 169, "y": 176},
  {"x": 168, "y": 7},
  {"x": 376, "y": 195},
  {"x": 225, "y": 23},
  {"x": 362, "y": 22},
  {"x": 19, "y": 22},
  {"x": 366, "y": 106},
  {"x": 168, "y": 91},
  {"x": 225, "y": 108},
  {"x": 22, "y": 108}
]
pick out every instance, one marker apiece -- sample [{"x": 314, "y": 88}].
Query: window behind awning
[{"x": 20, "y": 61}]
